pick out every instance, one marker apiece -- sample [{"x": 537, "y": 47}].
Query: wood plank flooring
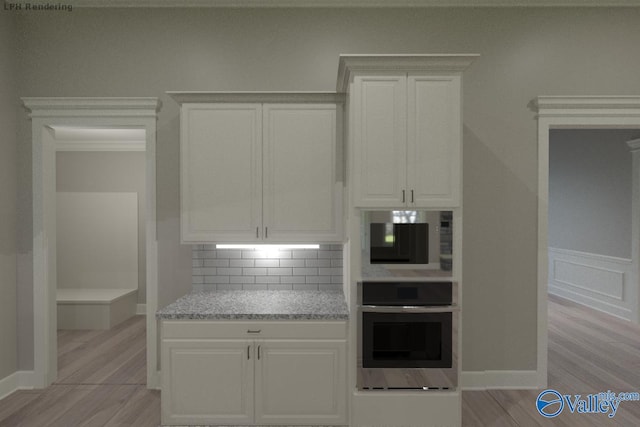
[
  {"x": 589, "y": 352},
  {"x": 102, "y": 378},
  {"x": 101, "y": 382}
]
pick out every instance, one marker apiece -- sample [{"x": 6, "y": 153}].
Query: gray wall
[
  {"x": 108, "y": 172},
  {"x": 8, "y": 189},
  {"x": 590, "y": 191},
  {"x": 526, "y": 52}
]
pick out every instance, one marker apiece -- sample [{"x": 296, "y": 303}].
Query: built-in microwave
[{"x": 412, "y": 238}]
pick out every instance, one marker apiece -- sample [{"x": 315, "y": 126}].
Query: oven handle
[{"x": 408, "y": 309}]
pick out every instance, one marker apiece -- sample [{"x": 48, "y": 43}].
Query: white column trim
[
  {"x": 572, "y": 112},
  {"x": 46, "y": 114}
]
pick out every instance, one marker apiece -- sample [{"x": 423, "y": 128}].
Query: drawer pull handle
[
  {"x": 248, "y": 352},
  {"x": 258, "y": 352},
  {"x": 251, "y": 331}
]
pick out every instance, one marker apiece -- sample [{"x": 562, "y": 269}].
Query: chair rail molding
[
  {"x": 573, "y": 112},
  {"x": 47, "y": 115}
]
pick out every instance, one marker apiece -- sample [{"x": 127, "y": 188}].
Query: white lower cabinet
[
  {"x": 207, "y": 382},
  {"x": 261, "y": 381},
  {"x": 301, "y": 383}
]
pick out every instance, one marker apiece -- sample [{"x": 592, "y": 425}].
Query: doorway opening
[
  {"x": 579, "y": 113},
  {"x": 65, "y": 129}
]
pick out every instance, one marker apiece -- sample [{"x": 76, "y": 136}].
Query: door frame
[
  {"x": 571, "y": 112},
  {"x": 46, "y": 113}
]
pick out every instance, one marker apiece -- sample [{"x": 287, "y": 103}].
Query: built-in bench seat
[{"x": 95, "y": 308}]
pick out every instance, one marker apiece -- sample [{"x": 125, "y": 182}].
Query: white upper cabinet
[
  {"x": 300, "y": 170},
  {"x": 221, "y": 172},
  {"x": 260, "y": 172},
  {"x": 379, "y": 148},
  {"x": 434, "y": 140},
  {"x": 405, "y": 129}
]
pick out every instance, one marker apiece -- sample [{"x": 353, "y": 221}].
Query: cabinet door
[
  {"x": 207, "y": 382},
  {"x": 434, "y": 141},
  {"x": 302, "y": 193},
  {"x": 379, "y": 140},
  {"x": 301, "y": 382},
  {"x": 221, "y": 172}
]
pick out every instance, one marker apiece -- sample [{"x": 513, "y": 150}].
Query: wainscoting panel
[{"x": 598, "y": 281}]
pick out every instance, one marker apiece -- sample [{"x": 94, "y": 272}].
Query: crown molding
[
  {"x": 443, "y": 63},
  {"x": 340, "y": 3},
  {"x": 274, "y": 97},
  {"x": 91, "y": 107},
  {"x": 549, "y": 106}
]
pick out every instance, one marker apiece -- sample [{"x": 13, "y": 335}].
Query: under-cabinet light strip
[{"x": 267, "y": 247}]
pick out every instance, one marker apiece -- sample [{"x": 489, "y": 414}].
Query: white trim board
[
  {"x": 141, "y": 309},
  {"x": 597, "y": 281},
  {"x": 498, "y": 380},
  {"x": 47, "y": 114},
  {"x": 571, "y": 112}
]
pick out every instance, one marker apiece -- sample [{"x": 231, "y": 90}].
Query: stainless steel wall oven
[{"x": 407, "y": 335}]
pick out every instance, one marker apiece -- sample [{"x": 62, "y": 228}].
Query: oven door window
[{"x": 406, "y": 340}]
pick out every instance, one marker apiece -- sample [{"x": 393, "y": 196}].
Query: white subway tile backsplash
[
  {"x": 279, "y": 287},
  {"x": 230, "y": 287},
  {"x": 254, "y": 254},
  {"x": 225, "y": 269},
  {"x": 229, "y": 253},
  {"x": 279, "y": 271},
  {"x": 305, "y": 287},
  {"x": 305, "y": 271},
  {"x": 268, "y": 263},
  {"x": 212, "y": 262},
  {"x": 254, "y": 287},
  {"x": 241, "y": 263},
  {"x": 305, "y": 253},
  {"x": 216, "y": 279},
  {"x": 268, "y": 279},
  {"x": 317, "y": 262},
  {"x": 242, "y": 279},
  {"x": 292, "y": 279},
  {"x": 292, "y": 263},
  {"x": 231, "y": 271},
  {"x": 254, "y": 271}
]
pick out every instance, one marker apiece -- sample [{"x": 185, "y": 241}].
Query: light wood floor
[
  {"x": 101, "y": 382},
  {"x": 102, "y": 376},
  {"x": 589, "y": 352}
]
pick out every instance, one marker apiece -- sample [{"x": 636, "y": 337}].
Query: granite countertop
[{"x": 258, "y": 305}]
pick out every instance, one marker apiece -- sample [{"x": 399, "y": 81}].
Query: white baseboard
[
  {"x": 153, "y": 382},
  {"x": 506, "y": 380},
  {"x": 8, "y": 385},
  {"x": 141, "y": 309},
  {"x": 20, "y": 380}
]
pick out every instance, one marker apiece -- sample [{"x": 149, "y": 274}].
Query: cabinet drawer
[{"x": 179, "y": 329}]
